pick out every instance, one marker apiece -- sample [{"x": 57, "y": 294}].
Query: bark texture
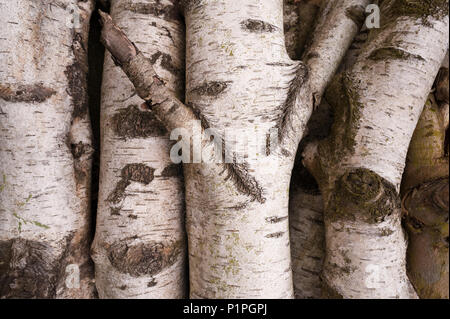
[
  {"x": 237, "y": 212},
  {"x": 376, "y": 104},
  {"x": 425, "y": 195},
  {"x": 306, "y": 209},
  {"x": 140, "y": 248},
  {"x": 45, "y": 150}
]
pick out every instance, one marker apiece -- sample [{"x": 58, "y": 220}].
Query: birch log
[
  {"x": 377, "y": 104},
  {"x": 45, "y": 150},
  {"x": 425, "y": 195},
  {"x": 237, "y": 218},
  {"x": 140, "y": 248}
]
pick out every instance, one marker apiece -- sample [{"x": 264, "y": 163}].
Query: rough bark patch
[
  {"x": 356, "y": 14},
  {"x": 426, "y": 211},
  {"x": 275, "y": 235},
  {"x": 421, "y": 9},
  {"x": 362, "y": 194},
  {"x": 442, "y": 86},
  {"x": 139, "y": 173},
  {"x": 173, "y": 170},
  {"x": 188, "y": 5},
  {"x": 77, "y": 88},
  {"x": 288, "y": 106},
  {"x": 143, "y": 258},
  {"x": 166, "y": 62},
  {"x": 79, "y": 152},
  {"x": 276, "y": 219},
  {"x": 330, "y": 293},
  {"x": 213, "y": 88},
  {"x": 244, "y": 182},
  {"x": 28, "y": 269},
  {"x": 130, "y": 122},
  {"x": 34, "y": 93},
  {"x": 257, "y": 26},
  {"x": 391, "y": 53},
  {"x": 156, "y": 8}
]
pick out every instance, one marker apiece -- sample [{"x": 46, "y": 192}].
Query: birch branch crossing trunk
[
  {"x": 140, "y": 248},
  {"x": 45, "y": 150},
  {"x": 237, "y": 218},
  {"x": 359, "y": 167}
]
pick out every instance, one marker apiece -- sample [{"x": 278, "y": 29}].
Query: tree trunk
[
  {"x": 237, "y": 218},
  {"x": 376, "y": 104},
  {"x": 425, "y": 196},
  {"x": 139, "y": 248},
  {"x": 45, "y": 150},
  {"x": 306, "y": 209}
]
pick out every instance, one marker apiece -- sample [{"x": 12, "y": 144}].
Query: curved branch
[{"x": 339, "y": 23}]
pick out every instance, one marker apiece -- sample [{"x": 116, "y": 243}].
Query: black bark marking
[
  {"x": 152, "y": 283},
  {"x": 442, "y": 86},
  {"x": 391, "y": 53},
  {"x": 278, "y": 64},
  {"x": 237, "y": 173},
  {"x": 139, "y": 173},
  {"x": 312, "y": 55},
  {"x": 213, "y": 88},
  {"x": 275, "y": 219},
  {"x": 245, "y": 183},
  {"x": 275, "y": 235},
  {"x": 187, "y": 5},
  {"x": 257, "y": 26},
  {"x": 284, "y": 122},
  {"x": 364, "y": 195},
  {"x": 77, "y": 89},
  {"x": 156, "y": 8},
  {"x": 173, "y": 170},
  {"x": 34, "y": 93},
  {"x": 420, "y": 9},
  {"x": 166, "y": 62},
  {"x": 144, "y": 258},
  {"x": 29, "y": 269},
  {"x": 130, "y": 122},
  {"x": 203, "y": 120},
  {"x": 356, "y": 14},
  {"x": 81, "y": 152}
]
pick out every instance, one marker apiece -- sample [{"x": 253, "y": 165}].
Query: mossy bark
[
  {"x": 425, "y": 191},
  {"x": 359, "y": 166}
]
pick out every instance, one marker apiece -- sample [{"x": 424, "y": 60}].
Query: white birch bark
[
  {"x": 239, "y": 48},
  {"x": 359, "y": 168},
  {"x": 139, "y": 248},
  {"x": 45, "y": 150},
  {"x": 237, "y": 218}
]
